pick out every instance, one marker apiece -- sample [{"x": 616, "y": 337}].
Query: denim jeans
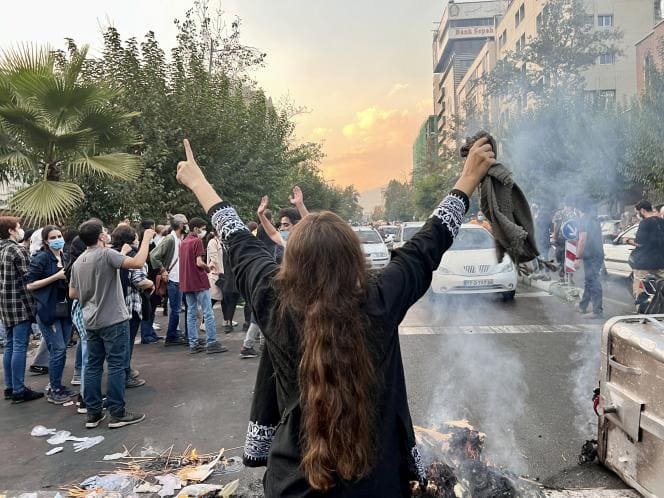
[
  {"x": 41, "y": 359},
  {"x": 57, "y": 337},
  {"x": 13, "y": 361},
  {"x": 81, "y": 359},
  {"x": 194, "y": 300},
  {"x": 175, "y": 303},
  {"x": 592, "y": 288},
  {"x": 110, "y": 344}
]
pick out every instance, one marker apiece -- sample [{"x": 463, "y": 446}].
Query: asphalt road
[{"x": 522, "y": 372}]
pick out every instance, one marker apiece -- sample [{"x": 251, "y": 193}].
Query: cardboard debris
[{"x": 200, "y": 472}]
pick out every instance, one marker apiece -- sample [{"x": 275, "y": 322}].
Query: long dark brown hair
[{"x": 323, "y": 280}]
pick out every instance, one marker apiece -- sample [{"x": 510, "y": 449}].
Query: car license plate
[{"x": 477, "y": 283}]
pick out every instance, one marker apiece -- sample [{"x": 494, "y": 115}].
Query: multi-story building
[
  {"x": 516, "y": 22},
  {"x": 462, "y": 32},
  {"x": 425, "y": 149},
  {"x": 649, "y": 50}
]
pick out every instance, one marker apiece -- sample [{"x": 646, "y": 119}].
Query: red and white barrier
[{"x": 570, "y": 255}]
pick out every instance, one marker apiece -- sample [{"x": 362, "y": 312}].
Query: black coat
[{"x": 273, "y": 436}]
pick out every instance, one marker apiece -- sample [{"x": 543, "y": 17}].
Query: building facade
[
  {"x": 516, "y": 22},
  {"x": 649, "y": 49},
  {"x": 461, "y": 33},
  {"x": 425, "y": 149}
]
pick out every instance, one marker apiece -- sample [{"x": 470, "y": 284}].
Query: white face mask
[
  {"x": 202, "y": 234},
  {"x": 20, "y": 235}
]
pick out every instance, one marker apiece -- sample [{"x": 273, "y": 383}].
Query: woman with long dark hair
[
  {"x": 46, "y": 281},
  {"x": 330, "y": 412}
]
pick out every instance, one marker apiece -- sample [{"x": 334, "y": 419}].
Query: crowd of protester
[{"x": 99, "y": 291}]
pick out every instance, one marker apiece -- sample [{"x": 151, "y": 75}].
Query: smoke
[
  {"x": 493, "y": 396},
  {"x": 584, "y": 378}
]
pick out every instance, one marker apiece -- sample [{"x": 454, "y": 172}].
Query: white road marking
[{"x": 498, "y": 329}]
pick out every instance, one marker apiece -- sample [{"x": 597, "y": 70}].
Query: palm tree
[{"x": 55, "y": 127}]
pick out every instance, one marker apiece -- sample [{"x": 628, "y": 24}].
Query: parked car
[
  {"x": 389, "y": 233},
  {"x": 373, "y": 246},
  {"x": 471, "y": 266},
  {"x": 610, "y": 229},
  {"x": 406, "y": 232},
  {"x": 616, "y": 253}
]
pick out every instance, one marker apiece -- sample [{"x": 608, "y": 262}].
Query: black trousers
[{"x": 229, "y": 304}]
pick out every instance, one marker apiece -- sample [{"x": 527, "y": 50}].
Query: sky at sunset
[{"x": 362, "y": 68}]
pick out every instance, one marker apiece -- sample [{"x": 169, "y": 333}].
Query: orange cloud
[{"x": 374, "y": 148}]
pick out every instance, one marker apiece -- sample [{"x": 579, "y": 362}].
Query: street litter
[
  {"x": 40, "y": 430},
  {"x": 146, "y": 487},
  {"x": 68, "y": 403},
  {"x": 225, "y": 491},
  {"x": 200, "y": 472},
  {"x": 116, "y": 456},
  {"x": 170, "y": 483},
  {"x": 59, "y": 437},
  {"x": 87, "y": 442},
  {"x": 103, "y": 485},
  {"x": 55, "y": 450}
]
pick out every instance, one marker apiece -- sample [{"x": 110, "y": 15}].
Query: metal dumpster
[{"x": 631, "y": 407}]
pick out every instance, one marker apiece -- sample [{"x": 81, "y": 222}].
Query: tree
[
  {"x": 645, "y": 163},
  {"x": 58, "y": 128},
  {"x": 398, "y": 198},
  {"x": 551, "y": 65}
]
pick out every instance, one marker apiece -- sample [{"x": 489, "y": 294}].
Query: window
[
  {"x": 521, "y": 43},
  {"x": 607, "y": 59},
  {"x": 502, "y": 40},
  {"x": 605, "y": 21},
  {"x": 520, "y": 15},
  {"x": 606, "y": 97}
]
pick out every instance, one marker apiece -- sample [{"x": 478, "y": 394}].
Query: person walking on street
[
  {"x": 195, "y": 286},
  {"x": 323, "y": 421},
  {"x": 591, "y": 252},
  {"x": 95, "y": 282},
  {"x": 47, "y": 282},
  {"x": 16, "y": 311},
  {"x": 647, "y": 258},
  {"x": 166, "y": 257},
  {"x": 148, "y": 331}
]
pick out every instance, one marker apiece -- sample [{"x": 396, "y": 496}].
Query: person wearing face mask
[
  {"x": 46, "y": 281},
  {"x": 481, "y": 221},
  {"x": 166, "y": 258},
  {"x": 288, "y": 217},
  {"x": 195, "y": 286},
  {"x": 16, "y": 309}
]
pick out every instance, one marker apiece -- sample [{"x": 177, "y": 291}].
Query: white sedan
[
  {"x": 471, "y": 266},
  {"x": 616, "y": 254}
]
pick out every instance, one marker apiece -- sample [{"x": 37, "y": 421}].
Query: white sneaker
[
  {"x": 156, "y": 326},
  {"x": 202, "y": 327}
]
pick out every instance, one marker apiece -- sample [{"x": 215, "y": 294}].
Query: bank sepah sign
[{"x": 472, "y": 32}]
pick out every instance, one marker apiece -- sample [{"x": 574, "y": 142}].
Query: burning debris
[
  {"x": 163, "y": 473},
  {"x": 455, "y": 469}
]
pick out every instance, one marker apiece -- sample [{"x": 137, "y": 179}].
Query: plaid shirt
[
  {"x": 133, "y": 300},
  {"x": 15, "y": 302}
]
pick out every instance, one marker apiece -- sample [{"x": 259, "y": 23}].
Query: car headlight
[
  {"x": 504, "y": 267},
  {"x": 444, "y": 269}
]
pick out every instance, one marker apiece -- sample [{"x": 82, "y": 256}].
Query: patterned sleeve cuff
[
  {"x": 226, "y": 220},
  {"x": 258, "y": 443},
  {"x": 451, "y": 211}
]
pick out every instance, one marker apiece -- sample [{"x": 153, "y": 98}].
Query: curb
[{"x": 568, "y": 293}]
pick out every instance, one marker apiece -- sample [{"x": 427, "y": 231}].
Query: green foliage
[
  {"x": 645, "y": 164},
  {"x": 398, "y": 198},
  {"x": 57, "y": 128}
]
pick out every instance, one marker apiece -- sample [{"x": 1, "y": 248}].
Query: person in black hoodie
[
  {"x": 330, "y": 412},
  {"x": 648, "y": 256}
]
